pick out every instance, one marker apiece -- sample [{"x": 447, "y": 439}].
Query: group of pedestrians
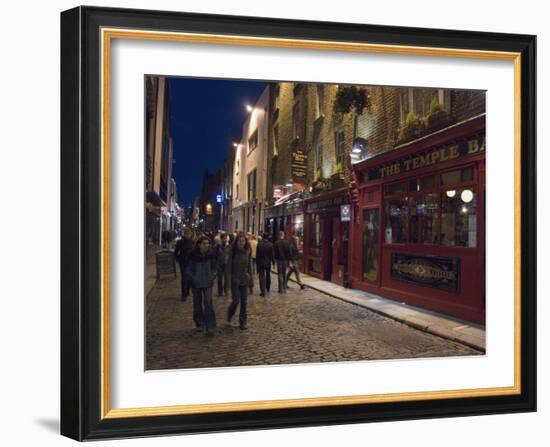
[{"x": 233, "y": 260}]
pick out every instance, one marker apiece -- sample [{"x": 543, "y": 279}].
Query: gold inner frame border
[{"x": 107, "y": 35}]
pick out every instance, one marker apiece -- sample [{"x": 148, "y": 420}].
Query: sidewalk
[
  {"x": 150, "y": 268},
  {"x": 464, "y": 332}
]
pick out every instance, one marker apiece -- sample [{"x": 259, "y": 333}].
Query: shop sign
[
  {"x": 278, "y": 191},
  {"x": 275, "y": 211},
  {"x": 431, "y": 157},
  {"x": 345, "y": 213},
  {"x": 165, "y": 263},
  {"x": 299, "y": 165},
  {"x": 431, "y": 271},
  {"x": 294, "y": 207},
  {"x": 327, "y": 204}
]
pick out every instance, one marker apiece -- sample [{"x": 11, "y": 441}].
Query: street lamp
[{"x": 249, "y": 108}]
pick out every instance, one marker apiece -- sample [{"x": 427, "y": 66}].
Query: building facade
[
  {"x": 158, "y": 162},
  {"x": 418, "y": 193},
  {"x": 226, "y": 191},
  {"x": 173, "y": 207},
  {"x": 287, "y": 161},
  {"x": 209, "y": 205},
  {"x": 250, "y": 170},
  {"x": 329, "y": 142}
]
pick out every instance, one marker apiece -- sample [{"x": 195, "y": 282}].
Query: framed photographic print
[{"x": 275, "y": 223}]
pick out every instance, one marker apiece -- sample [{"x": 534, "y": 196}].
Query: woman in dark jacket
[
  {"x": 294, "y": 265},
  {"x": 240, "y": 275},
  {"x": 182, "y": 252},
  {"x": 201, "y": 272}
]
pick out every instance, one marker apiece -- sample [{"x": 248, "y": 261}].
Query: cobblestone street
[{"x": 298, "y": 327}]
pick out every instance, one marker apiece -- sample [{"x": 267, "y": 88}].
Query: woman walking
[
  {"x": 240, "y": 275},
  {"x": 294, "y": 259},
  {"x": 201, "y": 271}
]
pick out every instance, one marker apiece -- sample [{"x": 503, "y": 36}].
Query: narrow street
[{"x": 297, "y": 327}]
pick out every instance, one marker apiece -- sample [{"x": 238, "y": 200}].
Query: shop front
[
  {"x": 325, "y": 235},
  {"x": 418, "y": 232},
  {"x": 287, "y": 215}
]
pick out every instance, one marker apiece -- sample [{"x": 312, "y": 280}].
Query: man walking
[
  {"x": 264, "y": 261},
  {"x": 223, "y": 251},
  {"x": 253, "y": 247},
  {"x": 281, "y": 251},
  {"x": 295, "y": 263},
  {"x": 182, "y": 252}
]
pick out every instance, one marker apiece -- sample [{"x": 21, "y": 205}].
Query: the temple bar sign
[{"x": 431, "y": 157}]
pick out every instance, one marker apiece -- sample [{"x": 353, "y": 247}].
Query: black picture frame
[{"x": 81, "y": 224}]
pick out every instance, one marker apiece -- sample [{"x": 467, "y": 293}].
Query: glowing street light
[{"x": 249, "y": 108}]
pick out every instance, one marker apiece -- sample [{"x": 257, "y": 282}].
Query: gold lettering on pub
[{"x": 436, "y": 156}]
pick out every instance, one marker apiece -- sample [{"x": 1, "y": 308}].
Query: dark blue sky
[{"x": 207, "y": 116}]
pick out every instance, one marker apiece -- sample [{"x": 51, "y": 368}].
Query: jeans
[
  {"x": 222, "y": 280},
  {"x": 253, "y": 271},
  {"x": 264, "y": 276},
  {"x": 296, "y": 269},
  {"x": 184, "y": 282},
  {"x": 203, "y": 311},
  {"x": 281, "y": 275},
  {"x": 238, "y": 294}
]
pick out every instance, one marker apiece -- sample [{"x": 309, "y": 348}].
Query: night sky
[{"x": 207, "y": 117}]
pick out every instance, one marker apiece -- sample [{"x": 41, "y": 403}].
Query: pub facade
[
  {"x": 418, "y": 232},
  {"x": 326, "y": 234}
]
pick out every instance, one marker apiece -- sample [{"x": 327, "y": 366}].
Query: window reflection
[
  {"x": 418, "y": 211},
  {"x": 396, "y": 221},
  {"x": 370, "y": 244},
  {"x": 316, "y": 236},
  {"x": 459, "y": 219},
  {"x": 424, "y": 219}
]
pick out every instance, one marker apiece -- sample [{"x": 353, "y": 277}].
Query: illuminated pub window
[
  {"x": 297, "y": 230},
  {"x": 370, "y": 244},
  {"x": 433, "y": 209},
  {"x": 397, "y": 226},
  {"x": 316, "y": 236}
]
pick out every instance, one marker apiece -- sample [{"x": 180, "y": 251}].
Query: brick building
[
  {"x": 287, "y": 159},
  {"x": 329, "y": 141}
]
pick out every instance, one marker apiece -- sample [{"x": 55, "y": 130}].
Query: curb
[{"x": 447, "y": 334}]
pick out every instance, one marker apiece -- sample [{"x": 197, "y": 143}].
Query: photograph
[{"x": 293, "y": 222}]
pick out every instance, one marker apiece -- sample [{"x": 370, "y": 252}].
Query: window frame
[
  {"x": 251, "y": 179},
  {"x": 339, "y": 156},
  {"x": 252, "y": 142},
  {"x": 438, "y": 189}
]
